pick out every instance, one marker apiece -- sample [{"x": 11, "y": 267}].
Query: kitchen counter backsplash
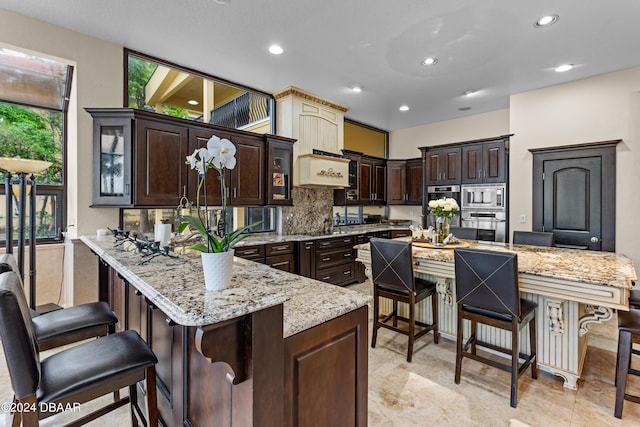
[{"x": 311, "y": 212}]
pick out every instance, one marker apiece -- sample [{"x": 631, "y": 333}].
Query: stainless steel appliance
[
  {"x": 483, "y": 206},
  {"x": 440, "y": 192},
  {"x": 485, "y": 196}
]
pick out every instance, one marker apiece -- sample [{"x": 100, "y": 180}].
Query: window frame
[{"x": 57, "y": 190}]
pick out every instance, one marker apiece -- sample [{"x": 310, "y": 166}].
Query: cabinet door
[
  {"x": 396, "y": 182},
  {"x": 161, "y": 172},
  {"x": 198, "y": 139},
  {"x": 450, "y": 164},
  {"x": 306, "y": 259},
  {"x": 494, "y": 161},
  {"x": 379, "y": 182},
  {"x": 414, "y": 182},
  {"x": 246, "y": 187},
  {"x": 117, "y": 298},
  {"x": 112, "y": 160},
  {"x": 472, "y": 165},
  {"x": 279, "y": 172},
  {"x": 432, "y": 163},
  {"x": 364, "y": 185},
  {"x": 282, "y": 262}
]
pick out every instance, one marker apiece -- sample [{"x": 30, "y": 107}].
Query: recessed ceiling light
[
  {"x": 222, "y": 1},
  {"x": 464, "y": 108},
  {"x": 430, "y": 61},
  {"x": 192, "y": 102},
  {"x": 563, "y": 68},
  {"x": 470, "y": 92},
  {"x": 275, "y": 49},
  {"x": 545, "y": 21},
  {"x": 356, "y": 89},
  {"x": 404, "y": 108}
]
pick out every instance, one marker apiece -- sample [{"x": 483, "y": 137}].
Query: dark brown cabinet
[
  {"x": 443, "y": 166},
  {"x": 159, "y": 178},
  {"x": 484, "y": 162},
  {"x": 277, "y": 255},
  {"x": 306, "y": 258},
  {"x": 279, "y": 170},
  {"x": 404, "y": 182},
  {"x": 372, "y": 180},
  {"x": 139, "y": 161},
  {"x": 350, "y": 195},
  {"x": 334, "y": 260}
]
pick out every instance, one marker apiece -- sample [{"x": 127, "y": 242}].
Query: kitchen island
[
  {"x": 572, "y": 288},
  {"x": 273, "y": 349}
]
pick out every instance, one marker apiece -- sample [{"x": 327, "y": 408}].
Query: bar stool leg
[{"x": 622, "y": 364}]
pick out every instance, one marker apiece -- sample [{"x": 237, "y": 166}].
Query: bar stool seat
[
  {"x": 69, "y": 325},
  {"x": 628, "y": 331}
]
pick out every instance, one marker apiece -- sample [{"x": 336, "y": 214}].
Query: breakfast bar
[
  {"x": 273, "y": 349},
  {"x": 572, "y": 288}
]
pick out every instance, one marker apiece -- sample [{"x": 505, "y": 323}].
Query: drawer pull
[
  {"x": 326, "y": 278},
  {"x": 280, "y": 263},
  {"x": 346, "y": 273},
  {"x": 347, "y": 240},
  {"x": 326, "y": 259},
  {"x": 346, "y": 255},
  {"x": 280, "y": 248},
  {"x": 249, "y": 252},
  {"x": 325, "y": 243}
]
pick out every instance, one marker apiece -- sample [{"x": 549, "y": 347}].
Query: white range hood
[{"x": 316, "y": 124}]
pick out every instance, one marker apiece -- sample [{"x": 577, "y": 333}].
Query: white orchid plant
[
  {"x": 219, "y": 155},
  {"x": 445, "y": 208}
]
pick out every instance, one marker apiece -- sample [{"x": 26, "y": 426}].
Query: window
[
  {"x": 156, "y": 85},
  {"x": 34, "y": 94}
]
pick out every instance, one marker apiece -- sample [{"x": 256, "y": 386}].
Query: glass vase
[{"x": 442, "y": 228}]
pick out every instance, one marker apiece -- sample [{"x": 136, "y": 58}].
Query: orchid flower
[{"x": 223, "y": 153}]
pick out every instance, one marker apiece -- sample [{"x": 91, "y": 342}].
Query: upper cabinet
[
  {"x": 484, "y": 162},
  {"x": 404, "y": 182},
  {"x": 279, "y": 170},
  {"x": 443, "y": 166},
  {"x": 372, "y": 180},
  {"x": 139, "y": 161},
  {"x": 468, "y": 162}
]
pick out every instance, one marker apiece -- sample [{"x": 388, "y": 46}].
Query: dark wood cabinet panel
[
  {"x": 117, "y": 298},
  {"x": 198, "y": 139},
  {"x": 404, "y": 182},
  {"x": 364, "y": 182},
  {"x": 159, "y": 178},
  {"x": 350, "y": 195},
  {"x": 484, "y": 162},
  {"x": 253, "y": 252},
  {"x": 379, "y": 182},
  {"x": 334, "y": 260},
  {"x": 400, "y": 233},
  {"x": 322, "y": 360},
  {"x": 396, "y": 182},
  {"x": 306, "y": 259},
  {"x": 372, "y": 180},
  {"x": 443, "y": 166},
  {"x": 279, "y": 170},
  {"x": 246, "y": 186},
  {"x": 282, "y": 262}
]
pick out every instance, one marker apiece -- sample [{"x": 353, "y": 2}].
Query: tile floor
[{"x": 422, "y": 393}]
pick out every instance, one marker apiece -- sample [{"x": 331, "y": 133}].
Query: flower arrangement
[
  {"x": 219, "y": 155},
  {"x": 444, "y": 208}
]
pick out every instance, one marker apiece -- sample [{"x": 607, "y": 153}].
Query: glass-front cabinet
[
  {"x": 112, "y": 140},
  {"x": 279, "y": 170}
]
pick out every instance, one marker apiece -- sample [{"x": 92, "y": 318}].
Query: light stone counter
[
  {"x": 176, "y": 286},
  {"x": 572, "y": 289}
]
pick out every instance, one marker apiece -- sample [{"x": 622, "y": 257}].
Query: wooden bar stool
[{"x": 628, "y": 332}]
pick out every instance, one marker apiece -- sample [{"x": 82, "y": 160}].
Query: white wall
[{"x": 97, "y": 82}]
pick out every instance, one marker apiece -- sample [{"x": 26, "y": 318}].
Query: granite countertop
[
  {"x": 597, "y": 268},
  {"x": 176, "y": 286},
  {"x": 348, "y": 230}
]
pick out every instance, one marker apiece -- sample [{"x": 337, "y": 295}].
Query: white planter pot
[{"x": 218, "y": 269}]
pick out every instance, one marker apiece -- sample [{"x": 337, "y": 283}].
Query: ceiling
[{"x": 491, "y": 46}]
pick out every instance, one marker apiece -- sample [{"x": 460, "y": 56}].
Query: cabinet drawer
[
  {"x": 279, "y": 248},
  {"x": 400, "y": 233},
  {"x": 336, "y": 275},
  {"x": 329, "y": 258},
  {"x": 334, "y": 242},
  {"x": 282, "y": 262},
  {"x": 250, "y": 252}
]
